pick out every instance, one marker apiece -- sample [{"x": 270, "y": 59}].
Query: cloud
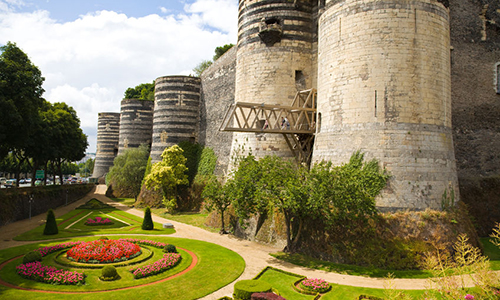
[
  {"x": 10, "y": 5},
  {"x": 90, "y": 62},
  {"x": 164, "y": 10},
  {"x": 219, "y": 14}
]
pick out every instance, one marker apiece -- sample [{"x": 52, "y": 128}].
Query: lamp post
[
  {"x": 66, "y": 197},
  {"x": 31, "y": 201}
]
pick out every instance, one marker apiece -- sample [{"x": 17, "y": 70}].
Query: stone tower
[
  {"x": 108, "y": 126},
  {"x": 274, "y": 61},
  {"x": 384, "y": 88},
  {"x": 176, "y": 115},
  {"x": 136, "y": 123}
]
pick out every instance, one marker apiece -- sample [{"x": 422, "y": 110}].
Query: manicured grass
[
  {"x": 79, "y": 229},
  {"x": 493, "y": 253},
  {"x": 190, "y": 218},
  {"x": 309, "y": 262},
  {"x": 217, "y": 266},
  {"x": 283, "y": 282},
  {"x": 126, "y": 201}
]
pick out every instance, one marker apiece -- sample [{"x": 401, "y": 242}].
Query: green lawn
[
  {"x": 309, "y": 262},
  {"x": 283, "y": 281},
  {"x": 124, "y": 224},
  {"x": 217, "y": 266},
  {"x": 493, "y": 253},
  {"x": 490, "y": 250}
]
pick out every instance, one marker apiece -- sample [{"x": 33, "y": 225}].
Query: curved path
[{"x": 256, "y": 255}]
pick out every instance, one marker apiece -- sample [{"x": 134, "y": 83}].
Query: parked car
[
  {"x": 10, "y": 183},
  {"x": 3, "y": 180}
]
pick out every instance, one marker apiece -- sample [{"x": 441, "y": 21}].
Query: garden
[{"x": 88, "y": 255}]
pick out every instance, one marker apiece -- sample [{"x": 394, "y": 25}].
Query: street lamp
[{"x": 31, "y": 201}]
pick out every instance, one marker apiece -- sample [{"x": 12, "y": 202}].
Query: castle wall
[
  {"x": 136, "y": 123},
  {"x": 176, "y": 116},
  {"x": 384, "y": 88},
  {"x": 108, "y": 126},
  {"x": 475, "y": 38},
  {"x": 274, "y": 61},
  {"x": 217, "y": 93}
]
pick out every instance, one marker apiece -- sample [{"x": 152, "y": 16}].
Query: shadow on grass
[{"x": 312, "y": 263}]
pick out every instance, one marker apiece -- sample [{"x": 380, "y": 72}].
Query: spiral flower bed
[
  {"x": 168, "y": 261},
  {"x": 38, "y": 272},
  {"x": 103, "y": 251}
]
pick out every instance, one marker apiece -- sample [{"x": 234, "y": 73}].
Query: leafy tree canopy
[
  {"x": 219, "y": 51},
  {"x": 20, "y": 98},
  {"x": 144, "y": 91},
  {"x": 202, "y": 66},
  {"x": 168, "y": 174},
  {"x": 128, "y": 170}
]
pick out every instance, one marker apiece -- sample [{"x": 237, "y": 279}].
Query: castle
[{"x": 412, "y": 83}]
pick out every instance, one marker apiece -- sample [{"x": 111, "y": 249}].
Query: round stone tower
[
  {"x": 274, "y": 61},
  {"x": 384, "y": 88},
  {"x": 136, "y": 123},
  {"x": 176, "y": 114},
  {"x": 108, "y": 126}
]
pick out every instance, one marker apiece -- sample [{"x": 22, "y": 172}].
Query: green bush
[
  {"x": 50, "y": 224},
  {"x": 169, "y": 249},
  {"x": 244, "y": 289},
  {"x": 32, "y": 257},
  {"x": 109, "y": 273},
  {"x": 147, "y": 223}
]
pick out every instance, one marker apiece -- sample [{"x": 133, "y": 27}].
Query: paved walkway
[{"x": 256, "y": 256}]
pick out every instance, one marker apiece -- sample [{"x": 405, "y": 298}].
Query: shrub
[
  {"x": 266, "y": 296},
  {"x": 245, "y": 288},
  {"x": 50, "y": 225},
  {"x": 225, "y": 298},
  {"x": 109, "y": 273},
  {"x": 32, "y": 257},
  {"x": 147, "y": 223},
  {"x": 169, "y": 249}
]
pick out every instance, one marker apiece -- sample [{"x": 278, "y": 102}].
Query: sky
[{"x": 91, "y": 51}]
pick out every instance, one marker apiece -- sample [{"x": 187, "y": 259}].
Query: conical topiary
[
  {"x": 50, "y": 224},
  {"x": 147, "y": 223}
]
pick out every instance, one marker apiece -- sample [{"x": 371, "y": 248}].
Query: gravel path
[{"x": 256, "y": 255}]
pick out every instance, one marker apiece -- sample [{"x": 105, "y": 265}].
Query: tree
[
  {"x": 20, "y": 98},
  {"x": 128, "y": 170},
  {"x": 281, "y": 185},
  {"x": 50, "y": 224},
  {"x": 202, "y": 66},
  {"x": 242, "y": 186},
  {"x": 168, "y": 174},
  {"x": 147, "y": 223},
  {"x": 143, "y": 91},
  {"x": 346, "y": 192},
  {"x": 215, "y": 198},
  {"x": 219, "y": 51},
  {"x": 58, "y": 137}
]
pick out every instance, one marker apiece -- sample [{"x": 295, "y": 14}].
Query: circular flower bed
[
  {"x": 316, "y": 285},
  {"x": 103, "y": 251}
]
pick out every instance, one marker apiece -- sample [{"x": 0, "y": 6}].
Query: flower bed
[
  {"x": 98, "y": 221},
  {"x": 155, "y": 244},
  {"x": 315, "y": 285},
  {"x": 168, "y": 261},
  {"x": 51, "y": 249},
  {"x": 38, "y": 272},
  {"x": 103, "y": 251}
]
